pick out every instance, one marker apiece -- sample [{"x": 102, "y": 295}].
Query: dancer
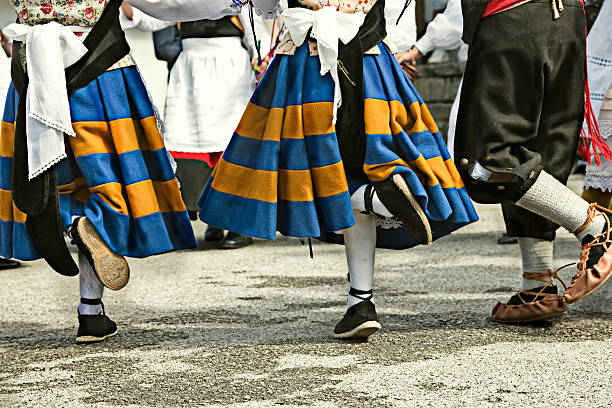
[
  {"x": 336, "y": 139},
  {"x": 445, "y": 32},
  {"x": 522, "y": 107},
  {"x": 598, "y": 181},
  {"x": 81, "y": 152},
  {"x": 216, "y": 60}
]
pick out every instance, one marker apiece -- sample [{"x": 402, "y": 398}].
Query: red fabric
[
  {"x": 210, "y": 158},
  {"x": 497, "y": 6}
]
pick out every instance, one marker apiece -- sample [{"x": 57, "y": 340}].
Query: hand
[
  {"x": 4, "y": 44},
  {"x": 260, "y": 69},
  {"x": 312, "y": 4},
  {"x": 410, "y": 56},
  {"x": 410, "y": 70},
  {"x": 127, "y": 10}
]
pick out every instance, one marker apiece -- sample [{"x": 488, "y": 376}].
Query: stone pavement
[{"x": 253, "y": 328}]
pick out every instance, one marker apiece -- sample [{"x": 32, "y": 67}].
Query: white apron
[{"x": 209, "y": 89}]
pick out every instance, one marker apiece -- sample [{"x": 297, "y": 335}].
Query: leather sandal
[
  {"x": 533, "y": 305},
  {"x": 595, "y": 266}
]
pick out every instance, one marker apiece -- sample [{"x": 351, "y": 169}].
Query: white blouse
[
  {"x": 190, "y": 10},
  {"x": 444, "y": 31}
]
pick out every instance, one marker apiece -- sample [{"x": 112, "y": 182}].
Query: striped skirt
[
  {"x": 282, "y": 170},
  {"x": 117, "y": 173}
]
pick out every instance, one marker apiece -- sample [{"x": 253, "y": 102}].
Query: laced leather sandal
[
  {"x": 399, "y": 200},
  {"x": 111, "y": 269},
  {"x": 595, "y": 264},
  {"x": 533, "y": 305}
]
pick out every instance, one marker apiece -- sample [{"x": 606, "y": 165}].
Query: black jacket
[{"x": 472, "y": 11}]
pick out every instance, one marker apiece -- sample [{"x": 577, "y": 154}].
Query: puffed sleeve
[
  {"x": 444, "y": 31},
  {"x": 142, "y": 21},
  {"x": 402, "y": 34},
  {"x": 263, "y": 35},
  {"x": 190, "y": 10},
  {"x": 187, "y": 10},
  {"x": 269, "y": 9}
]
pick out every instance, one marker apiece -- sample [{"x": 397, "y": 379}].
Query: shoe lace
[
  {"x": 548, "y": 278},
  {"x": 594, "y": 211}
]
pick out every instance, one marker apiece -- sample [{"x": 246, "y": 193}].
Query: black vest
[
  {"x": 472, "y": 13},
  {"x": 223, "y": 27}
]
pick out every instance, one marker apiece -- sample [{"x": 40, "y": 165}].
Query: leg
[
  {"x": 94, "y": 325},
  {"x": 360, "y": 320}
]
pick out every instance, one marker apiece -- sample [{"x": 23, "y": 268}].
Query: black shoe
[
  {"x": 193, "y": 215},
  {"x": 399, "y": 200},
  {"x": 8, "y": 264},
  {"x": 213, "y": 234},
  {"x": 235, "y": 241},
  {"x": 359, "y": 322},
  {"x": 506, "y": 240},
  {"x": 95, "y": 328}
]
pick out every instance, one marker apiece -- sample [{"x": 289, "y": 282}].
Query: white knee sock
[
  {"x": 360, "y": 246},
  {"x": 552, "y": 200},
  {"x": 358, "y": 202},
  {"x": 90, "y": 287},
  {"x": 537, "y": 255}
]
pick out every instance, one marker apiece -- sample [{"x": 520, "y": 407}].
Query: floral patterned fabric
[{"x": 84, "y": 13}]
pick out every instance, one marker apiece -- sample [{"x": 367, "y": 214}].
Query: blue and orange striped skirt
[
  {"x": 282, "y": 170},
  {"x": 117, "y": 173}
]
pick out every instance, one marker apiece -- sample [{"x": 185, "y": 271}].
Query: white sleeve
[
  {"x": 187, "y": 10},
  {"x": 402, "y": 35},
  {"x": 444, "y": 31},
  {"x": 142, "y": 21},
  {"x": 263, "y": 35},
  {"x": 269, "y": 9}
]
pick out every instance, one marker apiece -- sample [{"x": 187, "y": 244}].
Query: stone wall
[{"x": 438, "y": 84}]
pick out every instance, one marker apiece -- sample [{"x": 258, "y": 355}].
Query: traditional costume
[
  {"x": 80, "y": 151},
  {"x": 522, "y": 108},
  {"x": 216, "y": 60},
  {"x": 336, "y": 143}
]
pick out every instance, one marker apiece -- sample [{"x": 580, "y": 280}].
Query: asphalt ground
[{"x": 253, "y": 328}]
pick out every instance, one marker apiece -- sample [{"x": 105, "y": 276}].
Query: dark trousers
[
  {"x": 192, "y": 176},
  {"x": 522, "y": 107}
]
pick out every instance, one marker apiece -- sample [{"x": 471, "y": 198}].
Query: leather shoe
[
  {"x": 8, "y": 264},
  {"x": 235, "y": 241},
  {"x": 213, "y": 234}
]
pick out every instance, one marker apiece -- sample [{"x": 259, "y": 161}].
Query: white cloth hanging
[
  {"x": 50, "y": 49},
  {"x": 329, "y": 26}
]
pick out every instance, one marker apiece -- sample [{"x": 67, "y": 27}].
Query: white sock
[
  {"x": 552, "y": 200},
  {"x": 537, "y": 255},
  {"x": 358, "y": 202},
  {"x": 90, "y": 287},
  {"x": 360, "y": 246}
]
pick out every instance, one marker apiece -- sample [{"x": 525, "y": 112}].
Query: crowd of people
[{"x": 313, "y": 129}]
